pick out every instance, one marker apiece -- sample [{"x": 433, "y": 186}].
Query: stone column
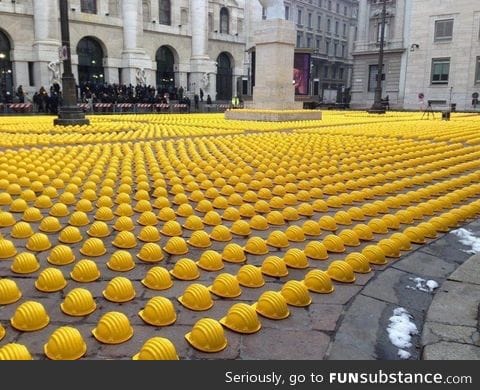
[
  {"x": 134, "y": 57},
  {"x": 47, "y": 40},
  {"x": 362, "y": 20},
  {"x": 202, "y": 68},
  {"x": 275, "y": 46}
]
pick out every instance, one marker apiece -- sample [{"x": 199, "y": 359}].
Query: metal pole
[
  {"x": 69, "y": 113},
  {"x": 377, "y": 107}
]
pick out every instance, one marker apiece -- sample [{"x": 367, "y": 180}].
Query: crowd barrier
[{"x": 132, "y": 108}]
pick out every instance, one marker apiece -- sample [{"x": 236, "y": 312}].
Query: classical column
[
  {"x": 199, "y": 28},
  {"x": 134, "y": 58},
  {"x": 362, "y": 20},
  {"x": 47, "y": 42},
  {"x": 202, "y": 68}
]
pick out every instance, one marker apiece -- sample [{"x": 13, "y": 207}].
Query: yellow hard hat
[
  {"x": 157, "y": 348},
  {"x": 196, "y": 297},
  {"x": 93, "y": 247},
  {"x": 295, "y": 234},
  {"x": 50, "y": 280},
  {"x": 358, "y": 262},
  {"x": 374, "y": 254},
  {"x": 207, "y": 335},
  {"x": 295, "y": 258},
  {"x": 14, "y": 351},
  {"x": 226, "y": 286},
  {"x": 233, "y": 253},
  {"x": 296, "y": 293},
  {"x": 113, "y": 328},
  {"x": 272, "y": 305},
  {"x": 37, "y": 243},
  {"x": 30, "y": 316},
  {"x": 316, "y": 250},
  {"x": 119, "y": 290},
  {"x": 212, "y": 218},
  {"x": 274, "y": 266},
  {"x": 278, "y": 239},
  {"x": 158, "y": 311},
  {"x": 319, "y": 282},
  {"x": 157, "y": 278},
  {"x": 78, "y": 303},
  {"x": 9, "y": 292},
  {"x": 256, "y": 246},
  {"x": 185, "y": 269},
  {"x": 124, "y": 240},
  {"x": 250, "y": 276},
  {"x": 349, "y": 237},
  {"x": 25, "y": 263},
  {"x": 85, "y": 271},
  {"x": 341, "y": 271},
  {"x": 241, "y": 318}
]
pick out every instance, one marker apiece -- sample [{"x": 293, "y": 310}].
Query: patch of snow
[
  {"x": 423, "y": 285},
  {"x": 402, "y": 354},
  {"x": 400, "y": 331},
  {"x": 468, "y": 239}
]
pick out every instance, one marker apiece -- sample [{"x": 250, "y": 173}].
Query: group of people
[{"x": 48, "y": 101}]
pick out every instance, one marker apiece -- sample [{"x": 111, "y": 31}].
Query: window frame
[
  {"x": 372, "y": 82},
  {"x": 477, "y": 71},
  {"x": 89, "y": 7},
  {"x": 224, "y": 18},
  {"x": 445, "y": 38},
  {"x": 440, "y": 61}
]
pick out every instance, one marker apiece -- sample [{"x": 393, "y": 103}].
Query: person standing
[
  {"x": 201, "y": 94},
  {"x": 20, "y": 94}
]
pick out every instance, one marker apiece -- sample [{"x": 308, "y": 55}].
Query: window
[
  {"x": 338, "y": 8},
  {"x": 31, "y": 78},
  {"x": 224, "y": 20},
  {"x": 299, "y": 16},
  {"x": 329, "y": 25},
  {"x": 240, "y": 26},
  {"x": 309, "y": 42},
  {"x": 477, "y": 73},
  {"x": 88, "y": 6},
  {"x": 345, "y": 10},
  {"x": 327, "y": 47},
  {"x": 210, "y": 21},
  {"x": 287, "y": 12},
  {"x": 319, "y": 3},
  {"x": 343, "y": 51},
  {"x": 372, "y": 77},
  {"x": 336, "y": 27},
  {"x": 329, "y": 5},
  {"x": 318, "y": 43},
  {"x": 319, "y": 23},
  {"x": 444, "y": 30},
  {"x": 344, "y": 29},
  {"x": 325, "y": 72},
  {"x": 264, "y": 13},
  {"x": 440, "y": 70},
  {"x": 299, "y": 40},
  {"x": 164, "y": 12},
  {"x": 341, "y": 73},
  {"x": 335, "y": 49},
  {"x": 309, "y": 20}
]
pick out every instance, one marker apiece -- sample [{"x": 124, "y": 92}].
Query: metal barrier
[{"x": 16, "y": 108}]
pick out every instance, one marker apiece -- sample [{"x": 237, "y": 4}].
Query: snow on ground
[
  {"x": 467, "y": 238},
  {"x": 400, "y": 331},
  {"x": 423, "y": 285}
]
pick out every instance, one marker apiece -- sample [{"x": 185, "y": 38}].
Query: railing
[{"x": 119, "y": 108}]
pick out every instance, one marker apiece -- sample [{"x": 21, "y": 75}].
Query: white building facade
[
  {"x": 163, "y": 43},
  {"x": 432, "y": 53},
  {"x": 444, "y": 53}
]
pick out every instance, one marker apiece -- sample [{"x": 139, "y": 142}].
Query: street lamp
[
  {"x": 69, "y": 113},
  {"x": 3, "y": 90},
  {"x": 378, "y": 107}
]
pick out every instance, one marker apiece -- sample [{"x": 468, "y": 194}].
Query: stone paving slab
[
  {"x": 468, "y": 272},
  {"x": 451, "y": 351}
]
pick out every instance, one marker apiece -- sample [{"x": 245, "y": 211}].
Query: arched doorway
[
  {"x": 224, "y": 77},
  {"x": 6, "y": 79},
  {"x": 90, "y": 62},
  {"x": 165, "y": 70}
]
